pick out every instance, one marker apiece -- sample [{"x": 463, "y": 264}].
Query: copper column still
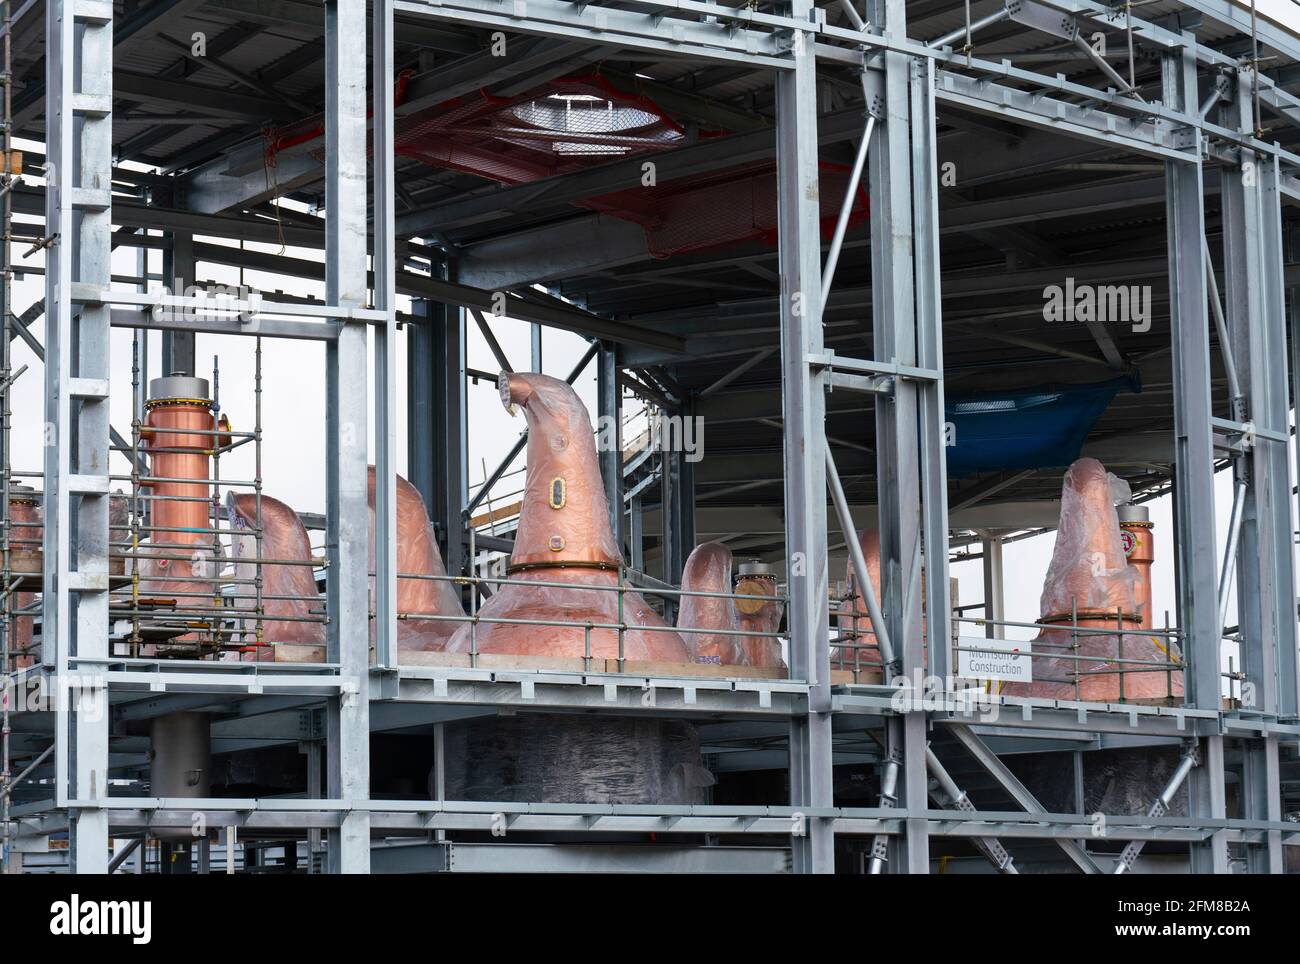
[
  {"x": 179, "y": 413},
  {"x": 564, "y": 536},
  {"x": 1090, "y": 578},
  {"x": 417, "y": 555},
  {"x": 284, "y": 538},
  {"x": 1137, "y": 536}
]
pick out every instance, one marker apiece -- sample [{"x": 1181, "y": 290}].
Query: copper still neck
[{"x": 565, "y": 516}]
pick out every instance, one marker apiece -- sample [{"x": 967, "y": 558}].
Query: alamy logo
[
  {"x": 74, "y": 918},
  {"x": 1115, "y": 304},
  {"x": 206, "y": 302}
]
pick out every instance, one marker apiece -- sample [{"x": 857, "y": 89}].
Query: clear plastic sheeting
[
  {"x": 564, "y": 537},
  {"x": 1088, "y": 569},
  {"x": 287, "y": 590},
  {"x": 417, "y": 556},
  {"x": 574, "y": 759},
  {"x": 709, "y": 570},
  {"x": 1089, "y": 582}
]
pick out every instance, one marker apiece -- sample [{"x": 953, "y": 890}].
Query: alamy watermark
[
  {"x": 205, "y": 302},
  {"x": 1109, "y": 304},
  {"x": 664, "y": 433}
]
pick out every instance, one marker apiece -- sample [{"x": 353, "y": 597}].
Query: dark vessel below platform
[{"x": 575, "y": 759}]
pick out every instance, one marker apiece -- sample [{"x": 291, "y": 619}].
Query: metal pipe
[
  {"x": 120, "y": 857},
  {"x": 1221, "y": 329},
  {"x": 854, "y": 17},
  {"x": 846, "y": 210},
  {"x": 1230, "y": 551},
  {"x": 966, "y": 31},
  {"x": 877, "y": 618},
  {"x": 7, "y": 789},
  {"x": 888, "y": 797},
  {"x": 991, "y": 847},
  {"x": 1103, "y": 66}
]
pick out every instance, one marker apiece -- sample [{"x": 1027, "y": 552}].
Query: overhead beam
[{"x": 423, "y": 286}]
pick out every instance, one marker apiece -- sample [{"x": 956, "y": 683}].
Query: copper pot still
[
  {"x": 564, "y": 536},
  {"x": 1090, "y": 576},
  {"x": 178, "y": 558},
  {"x": 421, "y": 588}
]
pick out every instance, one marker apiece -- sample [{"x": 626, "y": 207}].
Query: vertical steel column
[
  {"x": 894, "y": 326},
  {"x": 421, "y": 407},
  {"x": 678, "y": 508},
  {"x": 451, "y": 476},
  {"x": 994, "y": 595},
  {"x": 1261, "y": 799},
  {"x": 609, "y": 434},
  {"x": 672, "y": 554},
  {"x": 385, "y": 297},
  {"x": 347, "y": 508},
  {"x": 178, "y": 349},
  {"x": 686, "y": 483},
  {"x": 636, "y": 534},
  {"x": 78, "y": 217},
  {"x": 1193, "y": 453},
  {"x": 1207, "y": 796},
  {"x": 929, "y": 341},
  {"x": 1256, "y": 316},
  {"x": 804, "y": 412}
]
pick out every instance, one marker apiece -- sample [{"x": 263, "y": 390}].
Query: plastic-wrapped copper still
[
  {"x": 1090, "y": 584},
  {"x": 734, "y": 621},
  {"x": 564, "y": 537},
  {"x": 758, "y": 612}
]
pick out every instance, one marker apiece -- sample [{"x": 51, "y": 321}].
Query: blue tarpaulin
[{"x": 1030, "y": 428}]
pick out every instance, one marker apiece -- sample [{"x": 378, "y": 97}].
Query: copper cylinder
[
  {"x": 26, "y": 533},
  {"x": 708, "y": 569},
  {"x": 564, "y": 536},
  {"x": 417, "y": 555},
  {"x": 1089, "y": 579},
  {"x": 284, "y": 537},
  {"x": 178, "y": 412},
  {"x": 758, "y": 612},
  {"x": 1137, "y": 538}
]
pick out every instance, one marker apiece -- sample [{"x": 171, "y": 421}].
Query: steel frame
[{"x": 907, "y": 81}]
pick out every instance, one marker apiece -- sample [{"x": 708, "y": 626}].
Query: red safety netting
[{"x": 577, "y": 122}]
